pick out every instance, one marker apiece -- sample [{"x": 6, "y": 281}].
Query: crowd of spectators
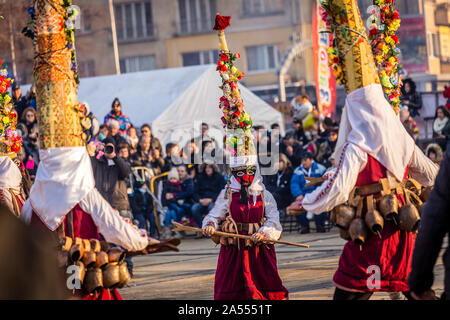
[{"x": 125, "y": 158}]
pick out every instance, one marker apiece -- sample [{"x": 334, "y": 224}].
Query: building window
[
  {"x": 196, "y": 16},
  {"x": 86, "y": 68},
  {"x": 408, "y": 7},
  {"x": 262, "y": 58},
  {"x": 136, "y": 64},
  {"x": 261, "y": 7},
  {"x": 200, "y": 57},
  {"x": 85, "y": 22},
  {"x": 434, "y": 45},
  {"x": 134, "y": 21}
]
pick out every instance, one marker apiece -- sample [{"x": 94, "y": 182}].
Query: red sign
[{"x": 325, "y": 82}]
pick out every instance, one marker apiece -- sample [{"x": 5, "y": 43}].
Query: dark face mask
[{"x": 244, "y": 175}]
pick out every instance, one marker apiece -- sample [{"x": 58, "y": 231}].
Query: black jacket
[
  {"x": 20, "y": 105},
  {"x": 296, "y": 158},
  {"x": 110, "y": 181},
  {"x": 208, "y": 187},
  {"x": 168, "y": 187},
  {"x": 141, "y": 202},
  {"x": 280, "y": 189},
  {"x": 435, "y": 224}
]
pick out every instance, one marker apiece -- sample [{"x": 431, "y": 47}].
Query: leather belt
[
  {"x": 246, "y": 226},
  {"x": 384, "y": 186}
]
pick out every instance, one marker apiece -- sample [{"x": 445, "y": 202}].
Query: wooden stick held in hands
[{"x": 180, "y": 227}]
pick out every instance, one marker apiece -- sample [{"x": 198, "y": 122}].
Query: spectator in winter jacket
[
  {"x": 31, "y": 148},
  {"x": 142, "y": 207},
  {"x": 327, "y": 147},
  {"x": 207, "y": 187},
  {"x": 174, "y": 156},
  {"x": 146, "y": 131},
  {"x": 121, "y": 118},
  {"x": 175, "y": 210},
  {"x": 140, "y": 157},
  {"x": 292, "y": 149},
  {"x": 29, "y": 118},
  {"x": 410, "y": 97},
  {"x": 94, "y": 128},
  {"x": 132, "y": 139},
  {"x": 114, "y": 133},
  {"x": 19, "y": 102},
  {"x": 308, "y": 168},
  {"x": 110, "y": 174},
  {"x": 299, "y": 132},
  {"x": 278, "y": 184}
]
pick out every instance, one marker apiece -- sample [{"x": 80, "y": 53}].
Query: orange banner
[{"x": 325, "y": 82}]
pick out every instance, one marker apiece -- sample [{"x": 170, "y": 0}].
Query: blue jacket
[{"x": 298, "y": 180}]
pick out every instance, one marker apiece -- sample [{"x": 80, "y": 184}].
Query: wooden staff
[
  {"x": 180, "y": 227},
  {"x": 313, "y": 181}
]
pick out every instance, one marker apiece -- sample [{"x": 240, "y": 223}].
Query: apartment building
[{"x": 155, "y": 34}]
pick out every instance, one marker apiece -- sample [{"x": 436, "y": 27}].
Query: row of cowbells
[
  {"x": 99, "y": 266},
  {"x": 358, "y": 228}
]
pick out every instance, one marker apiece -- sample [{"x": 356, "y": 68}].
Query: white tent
[
  {"x": 143, "y": 95},
  {"x": 200, "y": 103}
]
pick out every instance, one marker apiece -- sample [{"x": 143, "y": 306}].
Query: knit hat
[{"x": 173, "y": 174}]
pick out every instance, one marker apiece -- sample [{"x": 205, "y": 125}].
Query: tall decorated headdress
[
  {"x": 385, "y": 21},
  {"x": 10, "y": 141},
  {"x": 60, "y": 118},
  {"x": 368, "y": 119},
  {"x": 350, "y": 54},
  {"x": 238, "y": 142},
  {"x": 55, "y": 73}
]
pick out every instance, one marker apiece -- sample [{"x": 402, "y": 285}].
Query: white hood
[
  {"x": 10, "y": 176},
  {"x": 369, "y": 122},
  {"x": 64, "y": 177}
]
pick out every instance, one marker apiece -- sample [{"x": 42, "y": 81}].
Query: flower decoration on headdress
[
  {"x": 231, "y": 103},
  {"x": 352, "y": 66},
  {"x": 222, "y": 22},
  {"x": 335, "y": 57},
  {"x": 384, "y": 41},
  {"x": 10, "y": 141}
]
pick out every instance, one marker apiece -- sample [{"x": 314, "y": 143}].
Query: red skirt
[
  {"x": 248, "y": 274},
  {"x": 386, "y": 260}
]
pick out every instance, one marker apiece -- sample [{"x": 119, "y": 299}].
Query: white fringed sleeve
[
  {"x": 337, "y": 188},
  {"x": 422, "y": 168}
]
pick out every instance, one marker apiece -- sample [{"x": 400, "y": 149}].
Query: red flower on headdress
[
  {"x": 395, "y": 38},
  {"x": 15, "y": 148},
  {"x": 396, "y": 15},
  {"x": 222, "y": 22}
]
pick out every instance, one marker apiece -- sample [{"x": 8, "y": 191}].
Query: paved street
[{"x": 189, "y": 274}]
